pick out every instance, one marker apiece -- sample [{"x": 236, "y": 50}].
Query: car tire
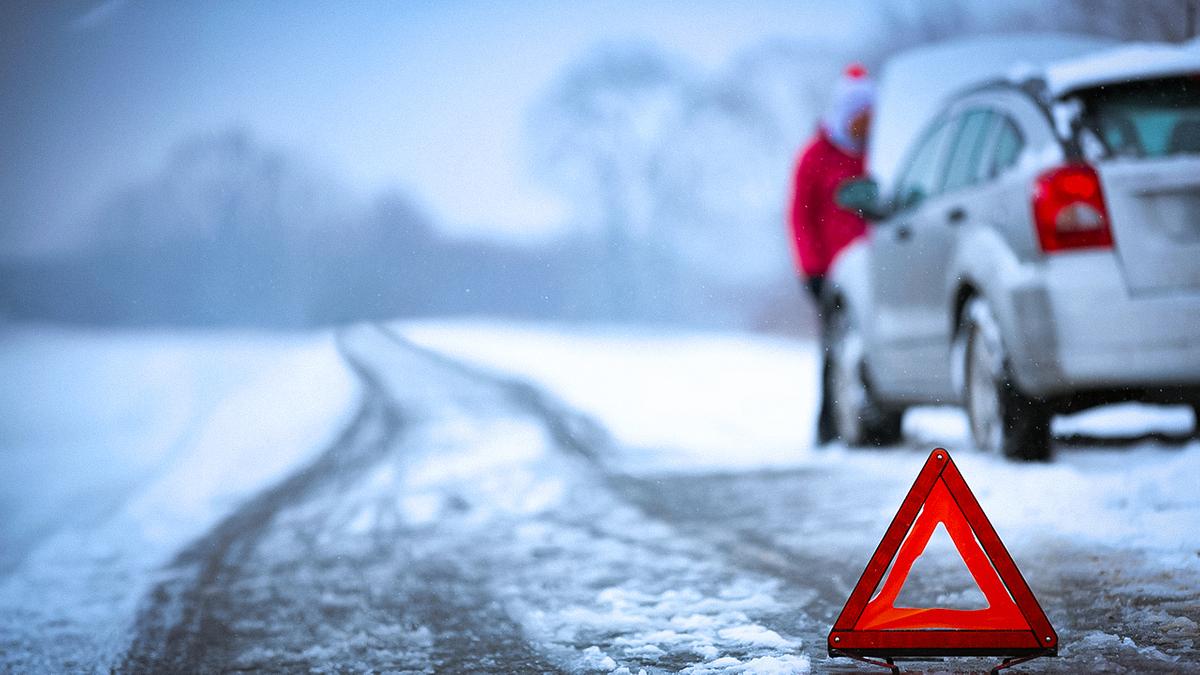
[
  {"x": 849, "y": 410},
  {"x": 1002, "y": 418}
]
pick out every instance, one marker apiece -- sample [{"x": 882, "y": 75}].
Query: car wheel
[
  {"x": 1003, "y": 419},
  {"x": 850, "y": 409}
]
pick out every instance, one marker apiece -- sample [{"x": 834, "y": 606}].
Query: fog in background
[{"x": 297, "y": 164}]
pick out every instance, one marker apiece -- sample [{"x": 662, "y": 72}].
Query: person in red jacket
[{"x": 821, "y": 229}]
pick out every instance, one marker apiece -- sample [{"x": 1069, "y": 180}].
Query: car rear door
[
  {"x": 913, "y": 251},
  {"x": 956, "y": 204},
  {"x": 906, "y": 250}
]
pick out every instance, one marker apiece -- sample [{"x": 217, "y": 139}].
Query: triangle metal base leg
[
  {"x": 887, "y": 663},
  {"x": 1009, "y": 663}
]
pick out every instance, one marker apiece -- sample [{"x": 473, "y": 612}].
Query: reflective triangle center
[
  {"x": 1001, "y": 613},
  {"x": 940, "y": 578}
]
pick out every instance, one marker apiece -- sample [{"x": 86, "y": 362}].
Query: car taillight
[{"x": 1068, "y": 209}]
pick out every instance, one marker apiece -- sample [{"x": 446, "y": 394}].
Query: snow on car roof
[
  {"x": 915, "y": 84},
  {"x": 1137, "y": 61}
]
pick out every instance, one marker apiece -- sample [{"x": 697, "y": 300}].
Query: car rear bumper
[{"x": 1076, "y": 327}]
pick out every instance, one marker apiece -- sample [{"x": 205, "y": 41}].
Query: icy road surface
[{"x": 549, "y": 501}]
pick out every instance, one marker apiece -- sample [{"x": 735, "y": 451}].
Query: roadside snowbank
[
  {"x": 673, "y": 401},
  {"x": 122, "y": 447}
]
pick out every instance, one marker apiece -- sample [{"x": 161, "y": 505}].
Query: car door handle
[
  {"x": 903, "y": 232},
  {"x": 956, "y": 215}
]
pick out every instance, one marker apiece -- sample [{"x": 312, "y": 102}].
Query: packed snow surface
[
  {"x": 119, "y": 448},
  {"x": 679, "y": 401},
  {"x": 581, "y": 499}
]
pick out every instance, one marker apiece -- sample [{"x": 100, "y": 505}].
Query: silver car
[{"x": 1038, "y": 253}]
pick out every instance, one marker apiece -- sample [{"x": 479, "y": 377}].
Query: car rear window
[{"x": 1152, "y": 118}]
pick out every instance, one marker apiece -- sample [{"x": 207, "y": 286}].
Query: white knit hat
[{"x": 852, "y": 93}]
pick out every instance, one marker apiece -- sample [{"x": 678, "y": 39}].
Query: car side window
[
  {"x": 1007, "y": 147},
  {"x": 963, "y": 167},
  {"x": 920, "y": 178}
]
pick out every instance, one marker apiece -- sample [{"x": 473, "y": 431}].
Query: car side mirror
[{"x": 861, "y": 196}]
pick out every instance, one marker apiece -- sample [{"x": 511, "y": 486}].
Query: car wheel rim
[
  {"x": 983, "y": 400},
  {"x": 850, "y": 395}
]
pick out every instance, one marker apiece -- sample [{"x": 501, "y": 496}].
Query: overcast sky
[{"x": 431, "y": 97}]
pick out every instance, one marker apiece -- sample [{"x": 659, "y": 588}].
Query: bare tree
[{"x": 595, "y": 133}]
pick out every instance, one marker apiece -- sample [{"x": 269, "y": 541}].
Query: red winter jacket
[{"x": 820, "y": 228}]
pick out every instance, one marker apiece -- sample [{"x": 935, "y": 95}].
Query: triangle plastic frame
[{"x": 908, "y": 631}]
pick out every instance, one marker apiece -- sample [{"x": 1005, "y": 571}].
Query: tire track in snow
[
  {"x": 190, "y": 621},
  {"x": 175, "y": 628},
  {"x": 571, "y": 430},
  {"x": 291, "y": 581},
  {"x": 736, "y": 549}
]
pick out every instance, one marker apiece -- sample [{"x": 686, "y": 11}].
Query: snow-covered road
[{"x": 539, "y": 501}]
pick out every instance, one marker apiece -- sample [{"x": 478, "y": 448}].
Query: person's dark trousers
[
  {"x": 826, "y": 429},
  {"x": 815, "y": 285}
]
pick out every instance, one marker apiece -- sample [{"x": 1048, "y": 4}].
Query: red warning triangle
[{"x": 871, "y": 624}]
